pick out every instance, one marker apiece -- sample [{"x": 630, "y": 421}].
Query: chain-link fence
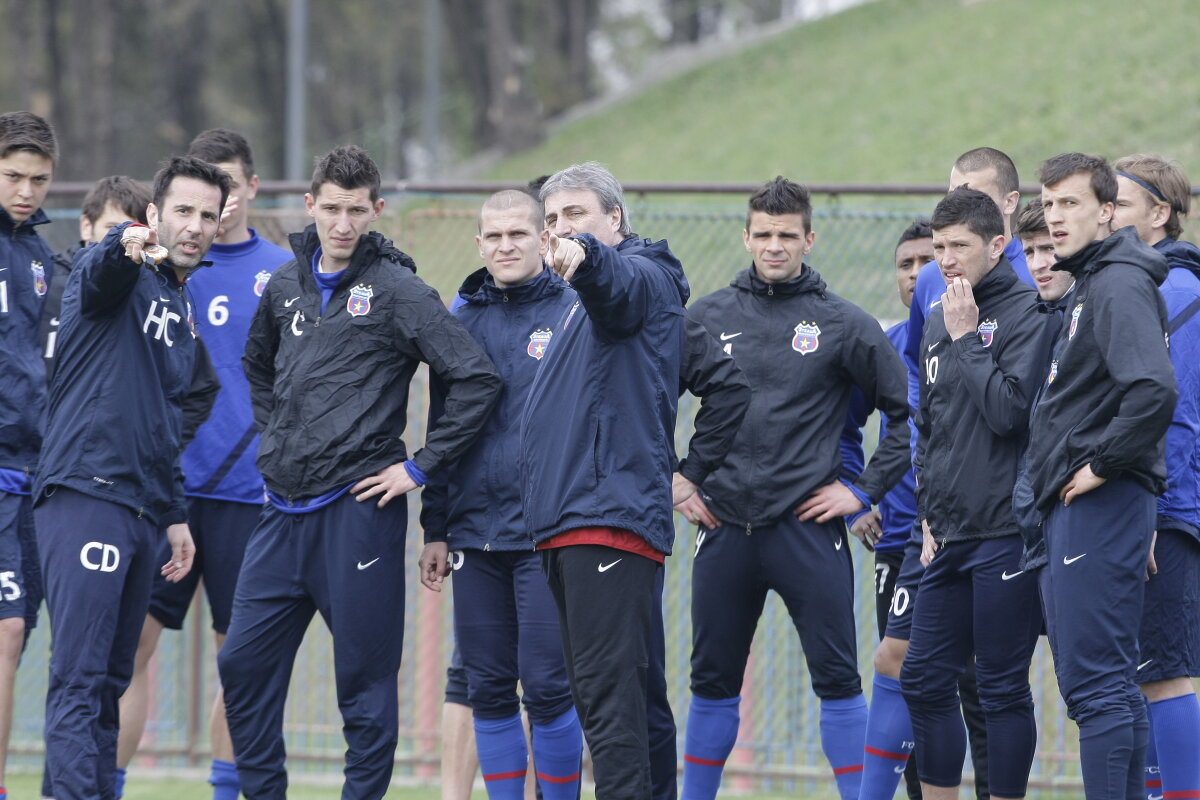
[{"x": 779, "y": 743}]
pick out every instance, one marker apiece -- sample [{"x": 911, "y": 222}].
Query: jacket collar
[
  {"x": 544, "y": 284},
  {"x": 1122, "y": 246},
  {"x": 10, "y": 228},
  {"x": 372, "y": 247},
  {"x": 809, "y": 280},
  {"x": 999, "y": 280}
]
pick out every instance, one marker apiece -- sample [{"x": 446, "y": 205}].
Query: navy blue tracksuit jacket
[
  {"x": 617, "y": 354},
  {"x": 125, "y": 352}
]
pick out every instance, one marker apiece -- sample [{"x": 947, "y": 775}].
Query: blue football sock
[
  {"x": 119, "y": 785},
  {"x": 1153, "y": 783},
  {"x": 889, "y": 740},
  {"x": 843, "y": 733},
  {"x": 224, "y": 779},
  {"x": 558, "y": 755},
  {"x": 712, "y": 728},
  {"x": 1176, "y": 724},
  {"x": 503, "y": 756}
]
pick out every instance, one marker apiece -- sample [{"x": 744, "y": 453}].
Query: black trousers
[{"x": 605, "y": 603}]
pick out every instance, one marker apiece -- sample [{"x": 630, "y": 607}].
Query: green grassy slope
[{"x": 894, "y": 90}]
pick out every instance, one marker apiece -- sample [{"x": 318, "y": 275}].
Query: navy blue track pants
[
  {"x": 507, "y": 629},
  {"x": 974, "y": 600},
  {"x": 99, "y": 560},
  {"x": 346, "y": 561},
  {"x": 808, "y": 565}
]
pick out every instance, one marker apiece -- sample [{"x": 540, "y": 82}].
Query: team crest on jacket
[
  {"x": 260, "y": 282},
  {"x": 987, "y": 331},
  {"x": 807, "y": 338},
  {"x": 1053, "y": 373},
  {"x": 1074, "y": 321},
  {"x": 539, "y": 340},
  {"x": 359, "y": 302},
  {"x": 39, "y": 277}
]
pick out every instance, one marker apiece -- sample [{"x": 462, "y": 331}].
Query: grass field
[
  {"x": 894, "y": 90},
  {"x": 192, "y": 786}
]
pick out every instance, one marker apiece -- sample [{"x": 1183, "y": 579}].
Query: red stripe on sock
[
  {"x": 1186, "y": 795},
  {"x": 845, "y": 770},
  {"x": 704, "y": 762},
  {"x": 875, "y": 751},
  {"x": 1154, "y": 783},
  {"x": 504, "y": 776},
  {"x": 556, "y": 779}
]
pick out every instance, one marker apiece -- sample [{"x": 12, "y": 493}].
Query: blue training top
[{"x": 219, "y": 463}]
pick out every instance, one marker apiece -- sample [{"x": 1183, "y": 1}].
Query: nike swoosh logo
[
  {"x": 607, "y": 567},
  {"x": 361, "y": 565},
  {"x": 900, "y": 769},
  {"x": 288, "y": 303},
  {"x": 1006, "y": 577},
  {"x": 728, "y": 336},
  {"x": 930, "y": 348},
  {"x": 1073, "y": 560},
  {"x": 1143, "y": 664},
  {"x": 837, "y": 545},
  {"x": 164, "y": 299}
]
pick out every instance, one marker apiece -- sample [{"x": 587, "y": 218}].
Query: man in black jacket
[
  {"x": 336, "y": 339},
  {"x": 982, "y": 354},
  {"x": 1095, "y": 462},
  {"x": 780, "y": 495}
]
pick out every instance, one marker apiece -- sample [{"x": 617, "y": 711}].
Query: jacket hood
[
  {"x": 809, "y": 280},
  {"x": 7, "y": 225},
  {"x": 1123, "y": 246},
  {"x": 662, "y": 256},
  {"x": 542, "y": 285},
  {"x": 372, "y": 247},
  {"x": 1180, "y": 255},
  {"x": 998, "y": 280}
]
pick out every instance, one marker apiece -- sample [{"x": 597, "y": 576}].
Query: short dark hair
[
  {"x": 221, "y": 145},
  {"x": 779, "y": 197},
  {"x": 122, "y": 192},
  {"x": 24, "y": 130},
  {"x": 190, "y": 167},
  {"x": 1103, "y": 178},
  {"x": 919, "y": 229},
  {"x": 1032, "y": 220},
  {"x": 1168, "y": 179},
  {"x": 982, "y": 158},
  {"x": 970, "y": 207},
  {"x": 348, "y": 167}
]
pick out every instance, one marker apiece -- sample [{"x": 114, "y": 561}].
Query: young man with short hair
[
  {"x": 780, "y": 495},
  {"x": 1153, "y": 194},
  {"x": 223, "y": 487},
  {"x": 506, "y": 626},
  {"x": 1095, "y": 463},
  {"x": 28, "y": 150},
  {"x": 993, "y": 173},
  {"x": 109, "y": 480},
  {"x": 1051, "y": 284},
  {"x": 982, "y": 357},
  {"x": 338, "y": 334}
]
